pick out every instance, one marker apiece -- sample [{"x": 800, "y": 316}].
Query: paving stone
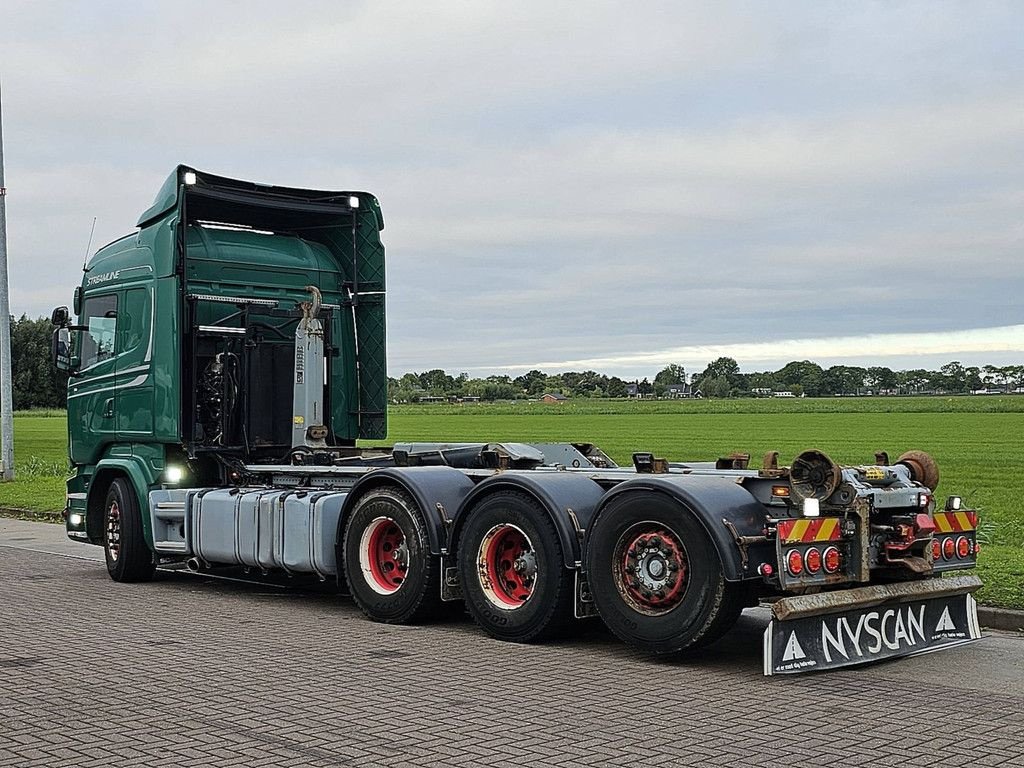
[{"x": 194, "y": 671}]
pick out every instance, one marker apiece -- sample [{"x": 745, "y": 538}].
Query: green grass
[{"x": 977, "y": 441}]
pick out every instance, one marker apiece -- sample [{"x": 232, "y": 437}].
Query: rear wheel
[
  {"x": 514, "y": 581},
  {"x": 124, "y": 546},
  {"x": 656, "y": 576},
  {"x": 390, "y": 571}
]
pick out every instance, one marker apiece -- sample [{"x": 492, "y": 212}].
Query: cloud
[
  {"x": 560, "y": 182},
  {"x": 828, "y": 350}
]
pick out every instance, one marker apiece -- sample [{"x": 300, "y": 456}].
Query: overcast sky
[{"x": 615, "y": 186}]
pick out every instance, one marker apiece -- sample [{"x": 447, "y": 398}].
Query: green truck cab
[{"x": 216, "y": 272}]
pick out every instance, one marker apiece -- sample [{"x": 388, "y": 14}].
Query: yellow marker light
[{"x": 780, "y": 491}]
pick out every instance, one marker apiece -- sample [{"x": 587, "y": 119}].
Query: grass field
[{"x": 977, "y": 441}]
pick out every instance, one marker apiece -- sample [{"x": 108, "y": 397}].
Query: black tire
[
  {"x": 124, "y": 547},
  {"x": 548, "y": 610},
  {"x": 706, "y": 605},
  {"x": 418, "y": 594}
]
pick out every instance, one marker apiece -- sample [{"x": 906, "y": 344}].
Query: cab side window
[
  {"x": 133, "y": 319},
  {"x": 99, "y": 316}
]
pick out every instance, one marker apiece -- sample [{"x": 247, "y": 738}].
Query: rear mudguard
[
  {"x": 438, "y": 491},
  {"x": 713, "y": 501},
  {"x": 563, "y": 495}
]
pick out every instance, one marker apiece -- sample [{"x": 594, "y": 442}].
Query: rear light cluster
[
  {"x": 813, "y": 561},
  {"x": 950, "y": 548}
]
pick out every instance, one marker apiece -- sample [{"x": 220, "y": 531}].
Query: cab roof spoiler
[{"x": 208, "y": 197}]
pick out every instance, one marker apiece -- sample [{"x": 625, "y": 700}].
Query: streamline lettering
[
  {"x": 105, "y": 277},
  {"x": 893, "y": 629}
]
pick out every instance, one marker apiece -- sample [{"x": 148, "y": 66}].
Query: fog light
[
  {"x": 813, "y": 560},
  {"x": 963, "y": 547},
  {"x": 795, "y": 562},
  {"x": 948, "y": 548},
  {"x": 832, "y": 559},
  {"x": 74, "y": 520},
  {"x": 173, "y": 474}
]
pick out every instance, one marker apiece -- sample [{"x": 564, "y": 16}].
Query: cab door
[{"x": 91, "y": 392}]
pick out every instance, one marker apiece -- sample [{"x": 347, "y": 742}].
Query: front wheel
[
  {"x": 124, "y": 546},
  {"x": 514, "y": 581},
  {"x": 656, "y": 577}
]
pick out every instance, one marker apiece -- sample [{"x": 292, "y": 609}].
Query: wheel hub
[
  {"x": 384, "y": 555},
  {"x": 507, "y": 566},
  {"x": 651, "y": 568},
  {"x": 114, "y": 530}
]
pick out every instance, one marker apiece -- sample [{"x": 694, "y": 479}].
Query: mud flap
[{"x": 856, "y": 626}]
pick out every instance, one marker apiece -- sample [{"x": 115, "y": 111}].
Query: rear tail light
[
  {"x": 963, "y": 547},
  {"x": 813, "y": 560},
  {"x": 972, "y": 517},
  {"x": 948, "y": 548},
  {"x": 936, "y": 549},
  {"x": 795, "y": 562},
  {"x": 832, "y": 559}
]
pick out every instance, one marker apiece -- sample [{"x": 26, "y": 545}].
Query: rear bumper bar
[{"x": 866, "y": 597}]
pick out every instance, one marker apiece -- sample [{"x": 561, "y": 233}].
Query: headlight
[{"x": 173, "y": 474}]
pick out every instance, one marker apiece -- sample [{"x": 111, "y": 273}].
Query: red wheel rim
[
  {"x": 651, "y": 568},
  {"x": 114, "y": 530},
  {"x": 507, "y": 565},
  {"x": 383, "y": 555}
]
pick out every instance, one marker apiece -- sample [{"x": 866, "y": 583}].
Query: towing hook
[{"x": 310, "y": 309}]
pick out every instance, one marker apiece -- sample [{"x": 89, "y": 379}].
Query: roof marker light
[
  {"x": 353, "y": 202},
  {"x": 190, "y": 177}
]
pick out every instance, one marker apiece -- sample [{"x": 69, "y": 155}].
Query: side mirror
[
  {"x": 60, "y": 348},
  {"x": 60, "y": 317}
]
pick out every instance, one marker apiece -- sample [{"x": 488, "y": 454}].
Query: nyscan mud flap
[{"x": 828, "y": 630}]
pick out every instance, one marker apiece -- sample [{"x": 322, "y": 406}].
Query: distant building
[
  {"x": 761, "y": 391},
  {"x": 682, "y": 392},
  {"x": 632, "y": 389},
  {"x": 783, "y": 393},
  {"x": 550, "y": 397}
]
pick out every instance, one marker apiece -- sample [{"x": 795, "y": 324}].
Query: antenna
[{"x": 88, "y": 246}]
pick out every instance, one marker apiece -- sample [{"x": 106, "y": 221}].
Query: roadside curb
[{"x": 1001, "y": 618}]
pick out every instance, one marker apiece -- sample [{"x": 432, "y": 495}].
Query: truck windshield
[{"x": 99, "y": 316}]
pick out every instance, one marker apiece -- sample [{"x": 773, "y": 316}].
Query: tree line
[
  {"x": 721, "y": 378},
  {"x": 36, "y": 383}
]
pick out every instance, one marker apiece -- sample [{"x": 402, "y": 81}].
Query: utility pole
[{"x": 6, "y": 397}]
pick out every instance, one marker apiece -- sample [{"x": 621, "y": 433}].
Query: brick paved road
[{"x": 194, "y": 671}]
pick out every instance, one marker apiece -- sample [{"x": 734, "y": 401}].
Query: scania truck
[{"x": 227, "y": 370}]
